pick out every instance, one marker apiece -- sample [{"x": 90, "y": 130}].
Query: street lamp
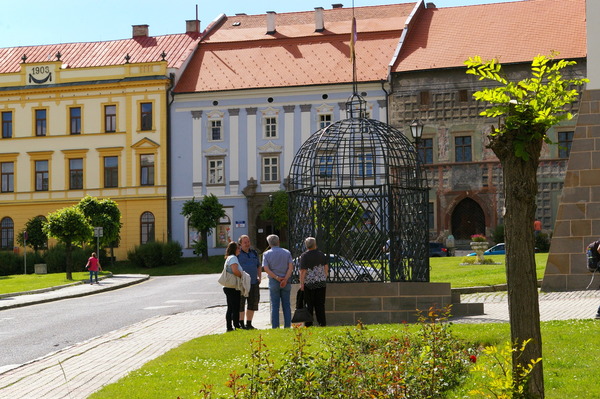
[{"x": 416, "y": 130}]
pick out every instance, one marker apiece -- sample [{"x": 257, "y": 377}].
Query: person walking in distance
[
  {"x": 314, "y": 270},
  {"x": 93, "y": 266},
  {"x": 277, "y": 263},
  {"x": 249, "y": 262}
]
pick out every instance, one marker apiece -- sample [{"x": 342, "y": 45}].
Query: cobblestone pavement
[{"x": 74, "y": 372}]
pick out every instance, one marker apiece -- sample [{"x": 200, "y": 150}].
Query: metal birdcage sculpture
[{"x": 358, "y": 186}]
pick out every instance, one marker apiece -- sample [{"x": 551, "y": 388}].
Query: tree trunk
[
  {"x": 520, "y": 190},
  {"x": 204, "y": 235},
  {"x": 68, "y": 266}
]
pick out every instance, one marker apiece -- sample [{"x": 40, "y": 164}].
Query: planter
[
  {"x": 40, "y": 268},
  {"x": 479, "y": 247}
]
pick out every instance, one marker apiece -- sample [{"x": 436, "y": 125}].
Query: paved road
[{"x": 30, "y": 332}]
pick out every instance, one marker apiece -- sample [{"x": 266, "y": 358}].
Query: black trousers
[
  {"x": 315, "y": 302},
  {"x": 233, "y": 307}
]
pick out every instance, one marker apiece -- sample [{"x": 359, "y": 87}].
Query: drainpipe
[
  {"x": 387, "y": 102},
  {"x": 170, "y": 99}
]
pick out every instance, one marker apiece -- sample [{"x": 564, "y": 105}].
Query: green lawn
[
  {"x": 569, "y": 359},
  {"x": 442, "y": 270}
]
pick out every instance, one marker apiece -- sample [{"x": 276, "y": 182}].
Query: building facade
[
  {"x": 430, "y": 85},
  {"x": 256, "y": 89},
  {"x": 88, "y": 119}
]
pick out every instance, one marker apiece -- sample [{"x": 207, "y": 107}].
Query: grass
[
  {"x": 30, "y": 282},
  {"x": 569, "y": 356},
  {"x": 442, "y": 270}
]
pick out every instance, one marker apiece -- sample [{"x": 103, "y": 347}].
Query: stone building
[{"x": 429, "y": 84}]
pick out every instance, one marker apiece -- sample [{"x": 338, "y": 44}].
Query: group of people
[{"x": 278, "y": 265}]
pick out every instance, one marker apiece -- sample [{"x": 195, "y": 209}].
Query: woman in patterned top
[{"x": 314, "y": 270}]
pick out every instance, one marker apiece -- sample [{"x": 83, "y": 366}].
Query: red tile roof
[
  {"x": 239, "y": 54},
  {"x": 178, "y": 47},
  {"x": 511, "y": 32}
]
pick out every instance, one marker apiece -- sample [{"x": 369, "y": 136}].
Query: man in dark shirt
[{"x": 249, "y": 262}]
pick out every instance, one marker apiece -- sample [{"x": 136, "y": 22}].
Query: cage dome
[{"x": 357, "y": 185}]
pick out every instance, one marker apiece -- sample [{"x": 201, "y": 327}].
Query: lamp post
[{"x": 416, "y": 130}]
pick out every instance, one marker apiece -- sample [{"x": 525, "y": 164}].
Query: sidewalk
[{"x": 73, "y": 372}]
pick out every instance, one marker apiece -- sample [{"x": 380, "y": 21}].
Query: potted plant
[{"x": 479, "y": 244}]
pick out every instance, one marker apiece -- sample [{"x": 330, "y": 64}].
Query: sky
[{"x": 36, "y": 22}]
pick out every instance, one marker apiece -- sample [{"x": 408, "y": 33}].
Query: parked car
[
  {"x": 437, "y": 249},
  {"x": 343, "y": 270},
  {"x": 498, "y": 249}
]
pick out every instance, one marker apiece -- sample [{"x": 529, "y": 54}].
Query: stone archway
[{"x": 468, "y": 218}]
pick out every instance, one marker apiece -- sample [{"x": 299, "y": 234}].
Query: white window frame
[
  {"x": 268, "y": 165},
  {"x": 215, "y": 171},
  {"x": 270, "y": 125}
]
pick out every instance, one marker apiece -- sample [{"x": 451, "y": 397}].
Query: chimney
[
  {"x": 319, "y": 20},
  {"x": 140, "y": 30},
  {"x": 192, "y": 26},
  {"x": 337, "y": 5},
  {"x": 271, "y": 22}
]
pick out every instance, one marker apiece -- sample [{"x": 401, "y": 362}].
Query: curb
[
  {"x": 142, "y": 278},
  {"x": 485, "y": 288}
]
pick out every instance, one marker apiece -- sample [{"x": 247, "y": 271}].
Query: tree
[
  {"x": 103, "y": 213},
  {"x": 277, "y": 210},
  {"x": 36, "y": 238},
  {"x": 203, "y": 216},
  {"x": 69, "y": 226},
  {"x": 527, "y": 109}
]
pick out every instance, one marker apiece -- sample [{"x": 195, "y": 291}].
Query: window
[
  {"x": 7, "y": 124},
  {"x": 324, "y": 121},
  {"x": 463, "y": 96},
  {"x": 271, "y": 127},
  {"x": 41, "y": 175},
  {"x": 7, "y": 171},
  {"x": 426, "y": 150},
  {"x": 325, "y": 166},
  {"x": 270, "y": 168},
  {"x": 147, "y": 170},
  {"x": 223, "y": 228},
  {"x": 364, "y": 164},
  {"x": 40, "y": 122},
  {"x": 216, "y": 171},
  {"x": 565, "y": 139},
  {"x": 146, "y": 227},
  {"x": 146, "y": 115},
  {"x": 7, "y": 233},
  {"x": 193, "y": 235},
  {"x": 424, "y": 97},
  {"x": 110, "y": 118},
  {"x": 462, "y": 148},
  {"x": 75, "y": 120},
  {"x": 111, "y": 172},
  {"x": 215, "y": 130},
  {"x": 76, "y": 174}
]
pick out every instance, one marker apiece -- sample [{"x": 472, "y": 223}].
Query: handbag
[
  {"x": 301, "y": 314},
  {"x": 228, "y": 280}
]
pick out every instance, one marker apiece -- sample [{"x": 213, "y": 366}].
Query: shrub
[
  {"x": 498, "y": 234},
  {"x": 56, "y": 258},
  {"x": 9, "y": 263},
  {"x": 355, "y": 365},
  {"x": 154, "y": 254}
]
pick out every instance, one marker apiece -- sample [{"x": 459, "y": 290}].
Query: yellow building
[{"x": 89, "y": 118}]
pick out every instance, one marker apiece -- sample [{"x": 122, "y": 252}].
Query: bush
[
  {"x": 56, "y": 258},
  {"x": 11, "y": 263},
  {"x": 498, "y": 234},
  {"x": 154, "y": 254},
  {"x": 413, "y": 365}
]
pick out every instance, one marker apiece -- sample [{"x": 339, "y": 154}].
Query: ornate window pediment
[{"x": 270, "y": 147}]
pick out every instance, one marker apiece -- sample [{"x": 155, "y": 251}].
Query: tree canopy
[
  {"x": 36, "y": 238},
  {"x": 203, "y": 215},
  {"x": 103, "y": 213}
]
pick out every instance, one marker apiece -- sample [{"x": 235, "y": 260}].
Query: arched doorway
[{"x": 467, "y": 219}]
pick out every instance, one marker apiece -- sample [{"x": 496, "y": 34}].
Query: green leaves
[{"x": 528, "y": 107}]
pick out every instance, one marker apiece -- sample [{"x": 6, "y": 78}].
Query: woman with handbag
[{"x": 231, "y": 269}]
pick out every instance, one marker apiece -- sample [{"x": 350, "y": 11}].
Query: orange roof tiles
[
  {"x": 239, "y": 54},
  {"x": 511, "y": 32},
  {"x": 178, "y": 47}
]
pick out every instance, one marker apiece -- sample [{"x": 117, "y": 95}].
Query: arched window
[
  {"x": 7, "y": 233},
  {"x": 147, "y": 227},
  {"x": 223, "y": 229}
]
